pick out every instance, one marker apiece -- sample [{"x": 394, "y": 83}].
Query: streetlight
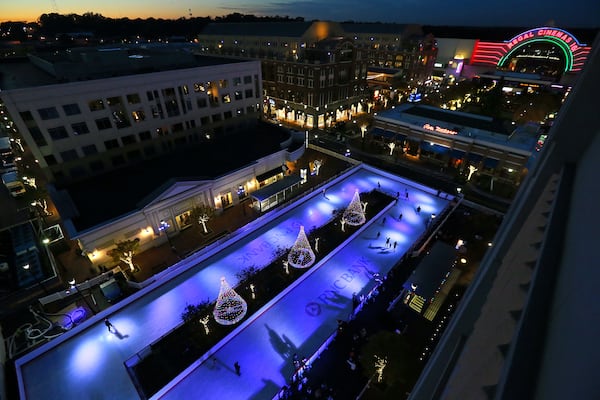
[
  {"x": 164, "y": 226},
  {"x": 74, "y": 287},
  {"x": 27, "y": 268}
]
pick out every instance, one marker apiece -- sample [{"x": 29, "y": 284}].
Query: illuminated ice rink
[{"x": 87, "y": 363}]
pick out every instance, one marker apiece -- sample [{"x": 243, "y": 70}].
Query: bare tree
[
  {"x": 124, "y": 251},
  {"x": 202, "y": 213}
]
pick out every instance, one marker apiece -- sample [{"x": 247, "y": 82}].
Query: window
[
  {"x": 138, "y": 115},
  {"x": 111, "y": 144},
  {"x": 149, "y": 95},
  {"x": 237, "y": 81},
  {"x": 96, "y": 105},
  {"x": 310, "y": 83},
  {"x": 77, "y": 172},
  {"x": 26, "y": 116},
  {"x": 238, "y": 95},
  {"x": 300, "y": 81},
  {"x": 201, "y": 102},
  {"x": 223, "y": 83},
  {"x": 226, "y": 98},
  {"x": 145, "y": 135},
  {"x": 239, "y": 111},
  {"x": 290, "y": 80},
  {"x": 248, "y": 78},
  {"x": 310, "y": 72},
  {"x": 50, "y": 159},
  {"x": 69, "y": 155},
  {"x": 133, "y": 98},
  {"x": 216, "y": 117},
  {"x": 103, "y": 123},
  {"x": 204, "y": 121},
  {"x": 129, "y": 139},
  {"x": 48, "y": 113},
  {"x": 58, "y": 133},
  {"x": 37, "y": 136},
  {"x": 172, "y": 108},
  {"x": 199, "y": 87},
  {"x": 227, "y": 115},
  {"x": 177, "y": 127},
  {"x": 71, "y": 109},
  {"x": 80, "y": 128},
  {"x": 89, "y": 150},
  {"x": 248, "y": 93}
]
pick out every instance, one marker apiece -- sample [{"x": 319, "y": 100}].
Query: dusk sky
[{"x": 573, "y": 13}]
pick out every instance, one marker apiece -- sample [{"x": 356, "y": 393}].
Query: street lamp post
[
  {"x": 164, "y": 226},
  {"x": 74, "y": 287}
]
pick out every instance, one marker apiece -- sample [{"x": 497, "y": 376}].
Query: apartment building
[{"x": 86, "y": 111}]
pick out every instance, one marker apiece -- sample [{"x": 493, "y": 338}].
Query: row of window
[
  {"x": 116, "y": 105},
  {"x": 91, "y": 149}
]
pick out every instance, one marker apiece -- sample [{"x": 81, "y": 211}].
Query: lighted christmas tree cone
[
  {"x": 301, "y": 255},
  {"x": 355, "y": 214},
  {"x": 231, "y": 307}
]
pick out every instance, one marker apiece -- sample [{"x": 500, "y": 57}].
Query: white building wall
[{"x": 81, "y": 93}]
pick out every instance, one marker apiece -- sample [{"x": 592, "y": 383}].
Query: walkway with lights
[{"x": 87, "y": 363}]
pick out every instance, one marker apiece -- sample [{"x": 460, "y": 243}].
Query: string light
[
  {"x": 230, "y": 307},
  {"x": 301, "y": 255},
  {"x": 355, "y": 213}
]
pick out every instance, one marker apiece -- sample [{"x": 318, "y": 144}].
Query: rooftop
[
  {"x": 91, "y": 63},
  {"x": 474, "y": 126},
  {"x": 205, "y": 161},
  {"x": 432, "y": 269},
  {"x": 288, "y": 29}
]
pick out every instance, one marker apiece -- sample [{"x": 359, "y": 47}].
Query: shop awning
[
  {"x": 277, "y": 187},
  {"x": 383, "y": 133},
  {"x": 435, "y": 148},
  {"x": 475, "y": 157},
  {"x": 490, "y": 162},
  {"x": 459, "y": 154}
]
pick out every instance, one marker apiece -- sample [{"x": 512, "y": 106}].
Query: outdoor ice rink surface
[{"x": 87, "y": 363}]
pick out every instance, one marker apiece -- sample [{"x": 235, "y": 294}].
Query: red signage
[
  {"x": 539, "y": 32},
  {"x": 439, "y": 129}
]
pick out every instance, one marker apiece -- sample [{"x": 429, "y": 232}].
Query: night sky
[{"x": 571, "y": 14}]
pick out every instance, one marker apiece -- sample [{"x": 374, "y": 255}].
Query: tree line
[{"x": 54, "y": 25}]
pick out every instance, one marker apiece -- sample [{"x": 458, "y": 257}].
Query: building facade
[
  {"x": 92, "y": 110},
  {"x": 312, "y": 75},
  {"x": 465, "y": 142}
]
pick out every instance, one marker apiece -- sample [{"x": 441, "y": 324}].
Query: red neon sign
[
  {"x": 538, "y": 32},
  {"x": 439, "y": 129}
]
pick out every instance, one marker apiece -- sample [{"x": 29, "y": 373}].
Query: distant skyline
[{"x": 571, "y": 14}]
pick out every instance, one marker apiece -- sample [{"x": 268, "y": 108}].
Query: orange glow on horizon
[{"x": 31, "y": 10}]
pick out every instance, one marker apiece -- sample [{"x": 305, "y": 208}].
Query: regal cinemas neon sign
[
  {"x": 439, "y": 129},
  {"x": 566, "y": 37}
]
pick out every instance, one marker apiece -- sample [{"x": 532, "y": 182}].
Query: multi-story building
[
  {"x": 89, "y": 110},
  {"x": 315, "y": 73},
  {"x": 312, "y": 75},
  {"x": 403, "y": 49}
]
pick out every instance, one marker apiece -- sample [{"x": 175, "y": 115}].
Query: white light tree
[
  {"x": 472, "y": 170},
  {"x": 380, "y": 363},
  {"x": 202, "y": 213},
  {"x": 392, "y": 146},
  {"x": 301, "y": 255},
  {"x": 318, "y": 164},
  {"x": 354, "y": 214},
  {"x": 230, "y": 307},
  {"x": 124, "y": 251}
]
